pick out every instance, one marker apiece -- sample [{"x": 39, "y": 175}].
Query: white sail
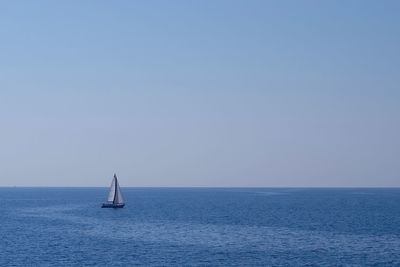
[
  {"x": 111, "y": 195},
  {"x": 118, "y": 196}
]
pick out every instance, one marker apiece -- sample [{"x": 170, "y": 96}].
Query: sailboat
[{"x": 115, "y": 199}]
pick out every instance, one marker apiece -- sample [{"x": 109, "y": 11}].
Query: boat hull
[{"x": 111, "y": 205}]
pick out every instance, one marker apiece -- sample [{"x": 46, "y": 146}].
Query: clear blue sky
[{"x": 200, "y": 93}]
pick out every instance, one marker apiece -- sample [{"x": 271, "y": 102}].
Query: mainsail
[{"x": 115, "y": 195}]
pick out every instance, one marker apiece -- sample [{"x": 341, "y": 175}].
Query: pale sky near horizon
[{"x": 200, "y": 93}]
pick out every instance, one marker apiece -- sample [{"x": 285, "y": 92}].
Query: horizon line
[{"x": 205, "y": 187}]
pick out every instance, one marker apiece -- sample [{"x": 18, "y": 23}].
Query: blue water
[{"x": 200, "y": 227}]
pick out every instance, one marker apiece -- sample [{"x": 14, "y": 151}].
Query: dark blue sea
[{"x": 200, "y": 227}]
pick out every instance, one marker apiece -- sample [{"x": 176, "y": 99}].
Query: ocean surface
[{"x": 200, "y": 227}]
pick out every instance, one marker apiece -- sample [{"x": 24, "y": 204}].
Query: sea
[{"x": 201, "y": 227}]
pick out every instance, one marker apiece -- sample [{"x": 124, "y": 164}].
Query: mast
[{"x": 115, "y": 189}]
